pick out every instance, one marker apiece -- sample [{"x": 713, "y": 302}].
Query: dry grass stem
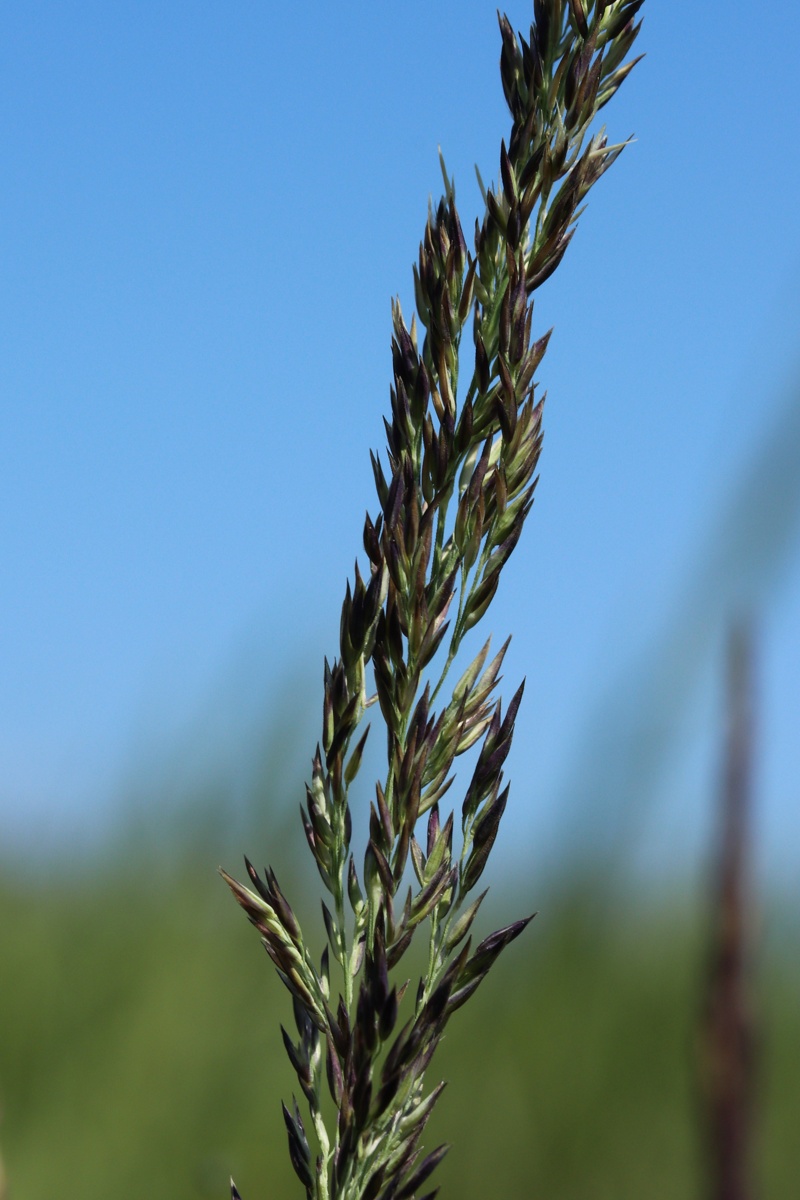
[{"x": 727, "y": 1033}]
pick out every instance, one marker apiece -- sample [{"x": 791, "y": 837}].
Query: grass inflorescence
[{"x": 463, "y": 444}]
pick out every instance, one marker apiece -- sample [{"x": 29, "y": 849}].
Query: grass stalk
[
  {"x": 463, "y": 444},
  {"x": 728, "y": 1025}
]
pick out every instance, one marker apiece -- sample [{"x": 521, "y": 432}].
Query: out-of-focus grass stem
[{"x": 728, "y": 1035}]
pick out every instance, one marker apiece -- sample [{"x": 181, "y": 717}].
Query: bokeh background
[{"x": 204, "y": 212}]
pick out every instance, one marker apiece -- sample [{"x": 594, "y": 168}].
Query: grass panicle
[{"x": 454, "y": 491}]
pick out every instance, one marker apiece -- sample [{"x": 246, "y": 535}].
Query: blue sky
[{"x": 204, "y": 212}]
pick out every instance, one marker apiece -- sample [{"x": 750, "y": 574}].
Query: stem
[{"x": 727, "y": 1031}]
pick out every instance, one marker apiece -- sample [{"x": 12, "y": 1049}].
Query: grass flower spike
[{"x": 454, "y": 491}]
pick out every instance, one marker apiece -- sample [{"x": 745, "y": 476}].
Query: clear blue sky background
[{"x": 204, "y": 212}]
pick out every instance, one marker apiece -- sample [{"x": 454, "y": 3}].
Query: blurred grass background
[
  {"x": 140, "y": 1051},
  {"x": 139, "y": 1044}
]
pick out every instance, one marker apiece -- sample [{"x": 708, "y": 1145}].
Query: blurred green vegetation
[{"x": 140, "y": 1052}]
